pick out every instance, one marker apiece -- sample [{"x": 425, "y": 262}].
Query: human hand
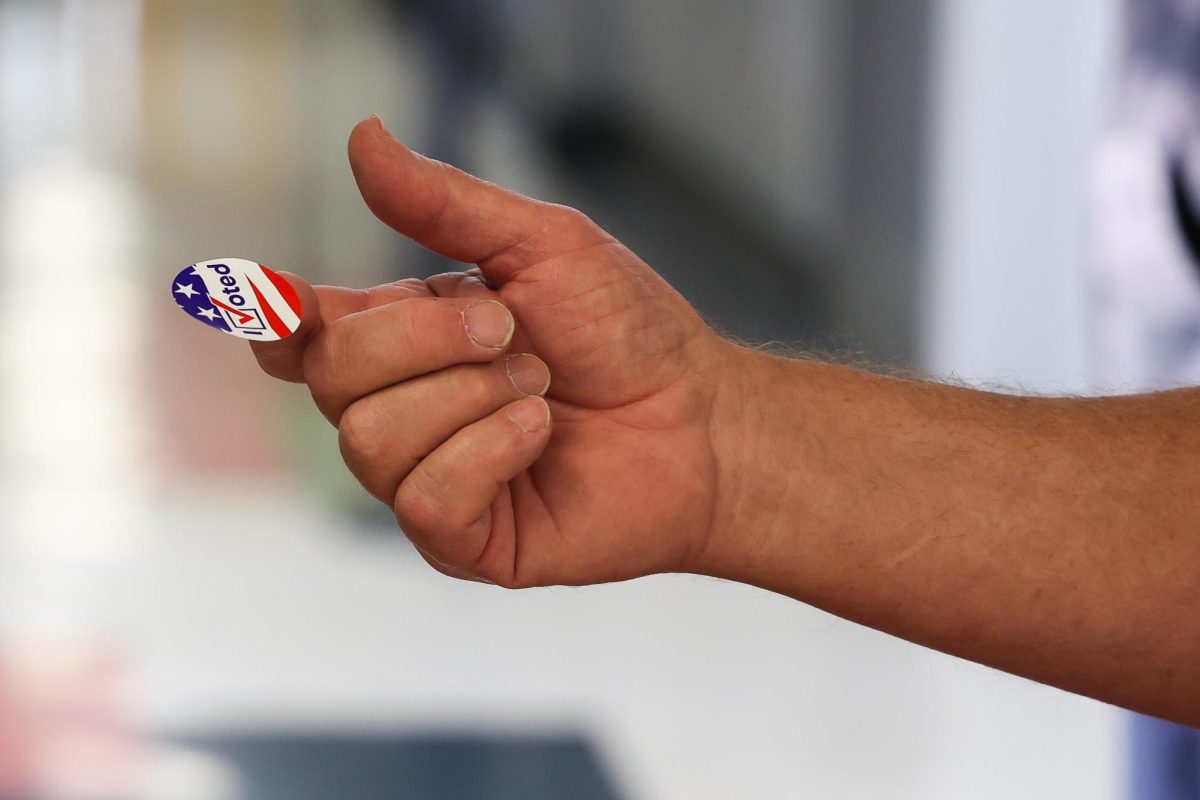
[{"x": 437, "y": 390}]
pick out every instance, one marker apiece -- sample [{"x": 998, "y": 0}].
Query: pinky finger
[{"x": 444, "y": 505}]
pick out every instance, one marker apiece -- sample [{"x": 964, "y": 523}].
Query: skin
[{"x": 598, "y": 430}]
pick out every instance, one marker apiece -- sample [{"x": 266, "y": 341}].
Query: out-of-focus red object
[{"x": 63, "y": 730}]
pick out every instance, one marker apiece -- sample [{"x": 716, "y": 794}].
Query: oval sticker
[{"x": 238, "y": 297}]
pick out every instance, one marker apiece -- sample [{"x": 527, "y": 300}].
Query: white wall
[{"x": 1018, "y": 95}]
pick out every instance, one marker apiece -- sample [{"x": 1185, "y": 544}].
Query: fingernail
[
  {"x": 531, "y": 414},
  {"x": 489, "y": 324},
  {"x": 529, "y": 374},
  {"x": 382, "y": 127}
]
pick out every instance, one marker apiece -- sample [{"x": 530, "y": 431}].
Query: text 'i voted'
[{"x": 239, "y": 297}]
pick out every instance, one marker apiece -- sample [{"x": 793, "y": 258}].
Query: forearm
[{"x": 1058, "y": 539}]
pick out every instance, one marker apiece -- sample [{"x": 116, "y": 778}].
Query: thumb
[{"x": 457, "y": 215}]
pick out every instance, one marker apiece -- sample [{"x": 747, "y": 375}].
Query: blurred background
[{"x": 196, "y": 602}]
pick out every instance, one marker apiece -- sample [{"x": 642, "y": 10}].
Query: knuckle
[
  {"x": 571, "y": 218},
  {"x": 437, "y": 565},
  {"x": 406, "y": 318},
  {"x": 416, "y": 510},
  {"x": 425, "y": 329},
  {"x": 414, "y": 285},
  {"x": 576, "y": 228},
  {"x": 464, "y": 447},
  {"x": 360, "y": 431}
]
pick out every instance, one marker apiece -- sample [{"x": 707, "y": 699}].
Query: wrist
[{"x": 759, "y": 436}]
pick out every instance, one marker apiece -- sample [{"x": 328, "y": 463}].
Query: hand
[{"x": 437, "y": 391}]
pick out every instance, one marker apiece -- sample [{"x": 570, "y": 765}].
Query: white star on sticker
[
  {"x": 209, "y": 313},
  {"x": 185, "y": 289}
]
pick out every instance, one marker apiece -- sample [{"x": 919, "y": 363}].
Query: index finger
[{"x": 320, "y": 306}]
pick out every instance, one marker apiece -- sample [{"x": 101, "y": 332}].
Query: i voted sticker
[{"x": 239, "y": 297}]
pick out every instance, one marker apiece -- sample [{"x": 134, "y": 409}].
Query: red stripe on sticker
[
  {"x": 284, "y": 288},
  {"x": 277, "y": 325}
]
